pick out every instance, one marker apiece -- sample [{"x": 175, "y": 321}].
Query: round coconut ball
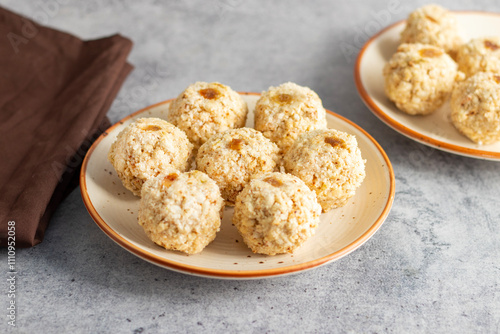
[
  {"x": 146, "y": 148},
  {"x": 434, "y": 25},
  {"x": 475, "y": 108},
  {"x": 419, "y": 78},
  {"x": 204, "y": 109},
  {"x": 231, "y": 158},
  {"x": 181, "y": 211},
  {"x": 285, "y": 112},
  {"x": 276, "y": 213},
  {"x": 479, "y": 55},
  {"x": 330, "y": 163}
]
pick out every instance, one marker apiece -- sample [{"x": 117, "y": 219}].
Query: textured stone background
[{"x": 432, "y": 267}]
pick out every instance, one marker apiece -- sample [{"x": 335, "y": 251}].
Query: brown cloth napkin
[{"x": 55, "y": 90}]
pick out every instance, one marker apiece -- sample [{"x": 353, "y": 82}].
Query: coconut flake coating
[
  {"x": 204, "y": 109},
  {"x": 479, "y": 55},
  {"x": 419, "y": 78},
  {"x": 285, "y": 112},
  {"x": 276, "y": 213},
  {"x": 330, "y": 163},
  {"x": 146, "y": 148},
  {"x": 231, "y": 158},
  {"x": 181, "y": 211},
  {"x": 434, "y": 25},
  {"x": 475, "y": 108}
]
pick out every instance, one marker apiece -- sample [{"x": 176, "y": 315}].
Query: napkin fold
[{"x": 55, "y": 91}]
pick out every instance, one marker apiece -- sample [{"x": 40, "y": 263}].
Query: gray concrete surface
[{"x": 432, "y": 267}]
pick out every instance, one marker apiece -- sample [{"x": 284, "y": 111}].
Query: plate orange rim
[
  {"x": 220, "y": 273},
  {"x": 401, "y": 128}
]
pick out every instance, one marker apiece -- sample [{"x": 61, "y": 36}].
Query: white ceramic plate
[
  {"x": 341, "y": 231},
  {"x": 435, "y": 129}
]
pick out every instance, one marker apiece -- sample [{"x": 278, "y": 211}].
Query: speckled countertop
[{"x": 434, "y": 265}]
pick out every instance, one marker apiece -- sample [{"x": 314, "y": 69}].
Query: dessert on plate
[
  {"x": 479, "y": 55},
  {"x": 419, "y": 78},
  {"x": 276, "y": 213},
  {"x": 146, "y": 148},
  {"x": 231, "y": 159},
  {"x": 434, "y": 25},
  {"x": 181, "y": 211},
  {"x": 330, "y": 163},
  {"x": 283, "y": 113},
  {"x": 475, "y": 107},
  {"x": 204, "y": 109}
]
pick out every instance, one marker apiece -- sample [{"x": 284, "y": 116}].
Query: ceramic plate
[
  {"x": 435, "y": 129},
  {"x": 341, "y": 231}
]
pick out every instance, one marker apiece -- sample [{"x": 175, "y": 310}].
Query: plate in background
[
  {"x": 434, "y": 130},
  {"x": 341, "y": 231}
]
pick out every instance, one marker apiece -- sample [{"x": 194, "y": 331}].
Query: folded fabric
[{"x": 55, "y": 91}]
